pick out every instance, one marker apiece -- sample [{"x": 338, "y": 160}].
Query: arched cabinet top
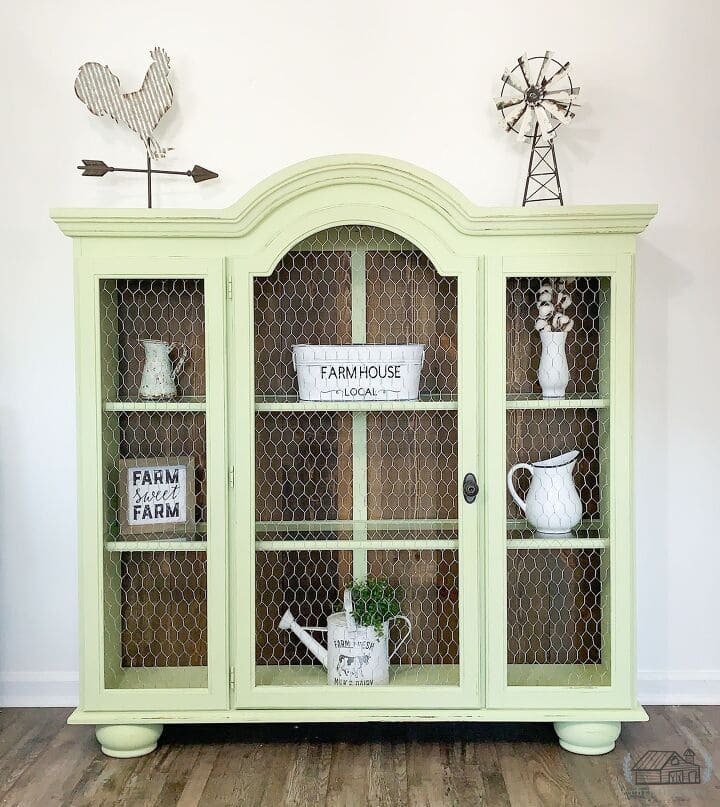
[{"x": 348, "y": 180}]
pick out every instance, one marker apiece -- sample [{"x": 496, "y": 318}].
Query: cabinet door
[
  {"x": 334, "y": 492},
  {"x": 560, "y": 571},
  {"x": 152, "y": 548}
]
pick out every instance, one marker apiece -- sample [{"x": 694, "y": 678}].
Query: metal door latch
[{"x": 470, "y": 488}]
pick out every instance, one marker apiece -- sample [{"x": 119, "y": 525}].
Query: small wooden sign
[{"x": 157, "y": 494}]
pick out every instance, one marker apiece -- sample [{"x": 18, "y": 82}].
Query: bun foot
[
  {"x": 128, "y": 741},
  {"x": 590, "y": 739}
]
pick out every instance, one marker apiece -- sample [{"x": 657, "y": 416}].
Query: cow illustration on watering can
[{"x": 356, "y": 655}]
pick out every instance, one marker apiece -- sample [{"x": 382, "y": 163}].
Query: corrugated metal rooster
[{"x": 99, "y": 89}]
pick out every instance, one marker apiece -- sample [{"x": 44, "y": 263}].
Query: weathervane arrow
[{"x": 98, "y": 168}]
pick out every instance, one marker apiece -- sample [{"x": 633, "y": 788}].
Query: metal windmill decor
[
  {"x": 141, "y": 111},
  {"x": 536, "y": 97}
]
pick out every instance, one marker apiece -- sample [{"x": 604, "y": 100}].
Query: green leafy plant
[{"x": 374, "y": 602}]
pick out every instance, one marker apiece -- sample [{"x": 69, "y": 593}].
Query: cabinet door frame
[
  {"x": 89, "y": 273},
  {"x": 620, "y": 692},
  {"x": 243, "y": 271}
]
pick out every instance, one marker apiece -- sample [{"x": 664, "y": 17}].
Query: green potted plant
[{"x": 375, "y": 602}]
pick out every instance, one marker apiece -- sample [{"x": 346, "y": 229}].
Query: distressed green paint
[{"x": 481, "y": 247}]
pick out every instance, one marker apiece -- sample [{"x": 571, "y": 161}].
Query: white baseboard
[
  {"x": 678, "y": 687},
  {"x": 39, "y": 688},
  {"x": 655, "y": 687}
]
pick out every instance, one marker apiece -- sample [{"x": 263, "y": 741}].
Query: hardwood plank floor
[{"x": 44, "y": 762}]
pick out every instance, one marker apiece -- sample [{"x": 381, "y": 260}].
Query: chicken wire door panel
[
  {"x": 565, "y": 448},
  {"x": 160, "y": 522},
  {"x": 365, "y": 488}
]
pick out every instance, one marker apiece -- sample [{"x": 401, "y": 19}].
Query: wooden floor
[{"x": 45, "y": 762}]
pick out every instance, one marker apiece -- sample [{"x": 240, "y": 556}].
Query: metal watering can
[{"x": 356, "y": 655}]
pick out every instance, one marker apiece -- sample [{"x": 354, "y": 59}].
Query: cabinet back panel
[
  {"x": 588, "y": 310},
  {"x": 170, "y": 310},
  {"x": 407, "y": 301},
  {"x": 307, "y": 300},
  {"x": 311, "y": 583},
  {"x": 163, "y": 609},
  {"x": 539, "y": 434},
  {"x": 555, "y": 606}
]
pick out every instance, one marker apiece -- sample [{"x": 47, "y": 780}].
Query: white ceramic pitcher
[
  {"x": 356, "y": 655},
  {"x": 159, "y": 373},
  {"x": 553, "y": 504}
]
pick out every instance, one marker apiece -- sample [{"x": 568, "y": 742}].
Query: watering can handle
[
  {"x": 404, "y": 638},
  {"x": 520, "y": 503},
  {"x": 183, "y": 353},
  {"x": 348, "y": 608}
]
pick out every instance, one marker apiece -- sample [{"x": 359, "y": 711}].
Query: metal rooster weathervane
[{"x": 141, "y": 111}]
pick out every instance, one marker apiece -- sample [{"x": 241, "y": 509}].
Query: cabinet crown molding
[{"x": 340, "y": 177}]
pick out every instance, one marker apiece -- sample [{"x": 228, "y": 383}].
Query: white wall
[{"x": 260, "y": 85}]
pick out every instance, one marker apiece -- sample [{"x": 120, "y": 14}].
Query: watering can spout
[{"x": 288, "y": 623}]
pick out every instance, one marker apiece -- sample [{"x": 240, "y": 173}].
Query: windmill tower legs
[{"x": 543, "y": 180}]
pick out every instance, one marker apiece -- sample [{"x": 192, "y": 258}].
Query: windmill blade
[
  {"x": 524, "y": 69},
  {"x": 510, "y": 121},
  {"x": 509, "y": 79},
  {"x": 544, "y": 124},
  {"x": 559, "y": 111},
  {"x": 541, "y": 72},
  {"x": 562, "y": 98},
  {"x": 508, "y": 101},
  {"x": 574, "y": 91},
  {"x": 556, "y": 76},
  {"x": 527, "y": 123}
]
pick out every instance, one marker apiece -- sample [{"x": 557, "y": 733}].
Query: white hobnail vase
[{"x": 553, "y": 373}]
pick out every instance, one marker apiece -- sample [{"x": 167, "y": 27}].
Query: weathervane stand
[
  {"x": 542, "y": 173},
  {"x": 149, "y": 180}
]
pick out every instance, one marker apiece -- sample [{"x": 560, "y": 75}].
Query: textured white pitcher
[
  {"x": 553, "y": 373},
  {"x": 159, "y": 374},
  {"x": 553, "y": 504}
]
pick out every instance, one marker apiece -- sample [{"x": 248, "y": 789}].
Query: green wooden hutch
[{"x": 294, "y": 500}]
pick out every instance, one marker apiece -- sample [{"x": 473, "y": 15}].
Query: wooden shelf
[
  {"x": 349, "y": 545},
  {"x": 549, "y": 542},
  {"x": 161, "y": 678},
  {"x": 396, "y": 525},
  {"x": 587, "y": 535},
  {"x": 290, "y": 403},
  {"x": 390, "y": 525},
  {"x": 167, "y": 545},
  {"x": 558, "y": 675},
  {"x": 189, "y": 404},
  {"x": 569, "y": 402},
  {"x": 400, "y": 675}
]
